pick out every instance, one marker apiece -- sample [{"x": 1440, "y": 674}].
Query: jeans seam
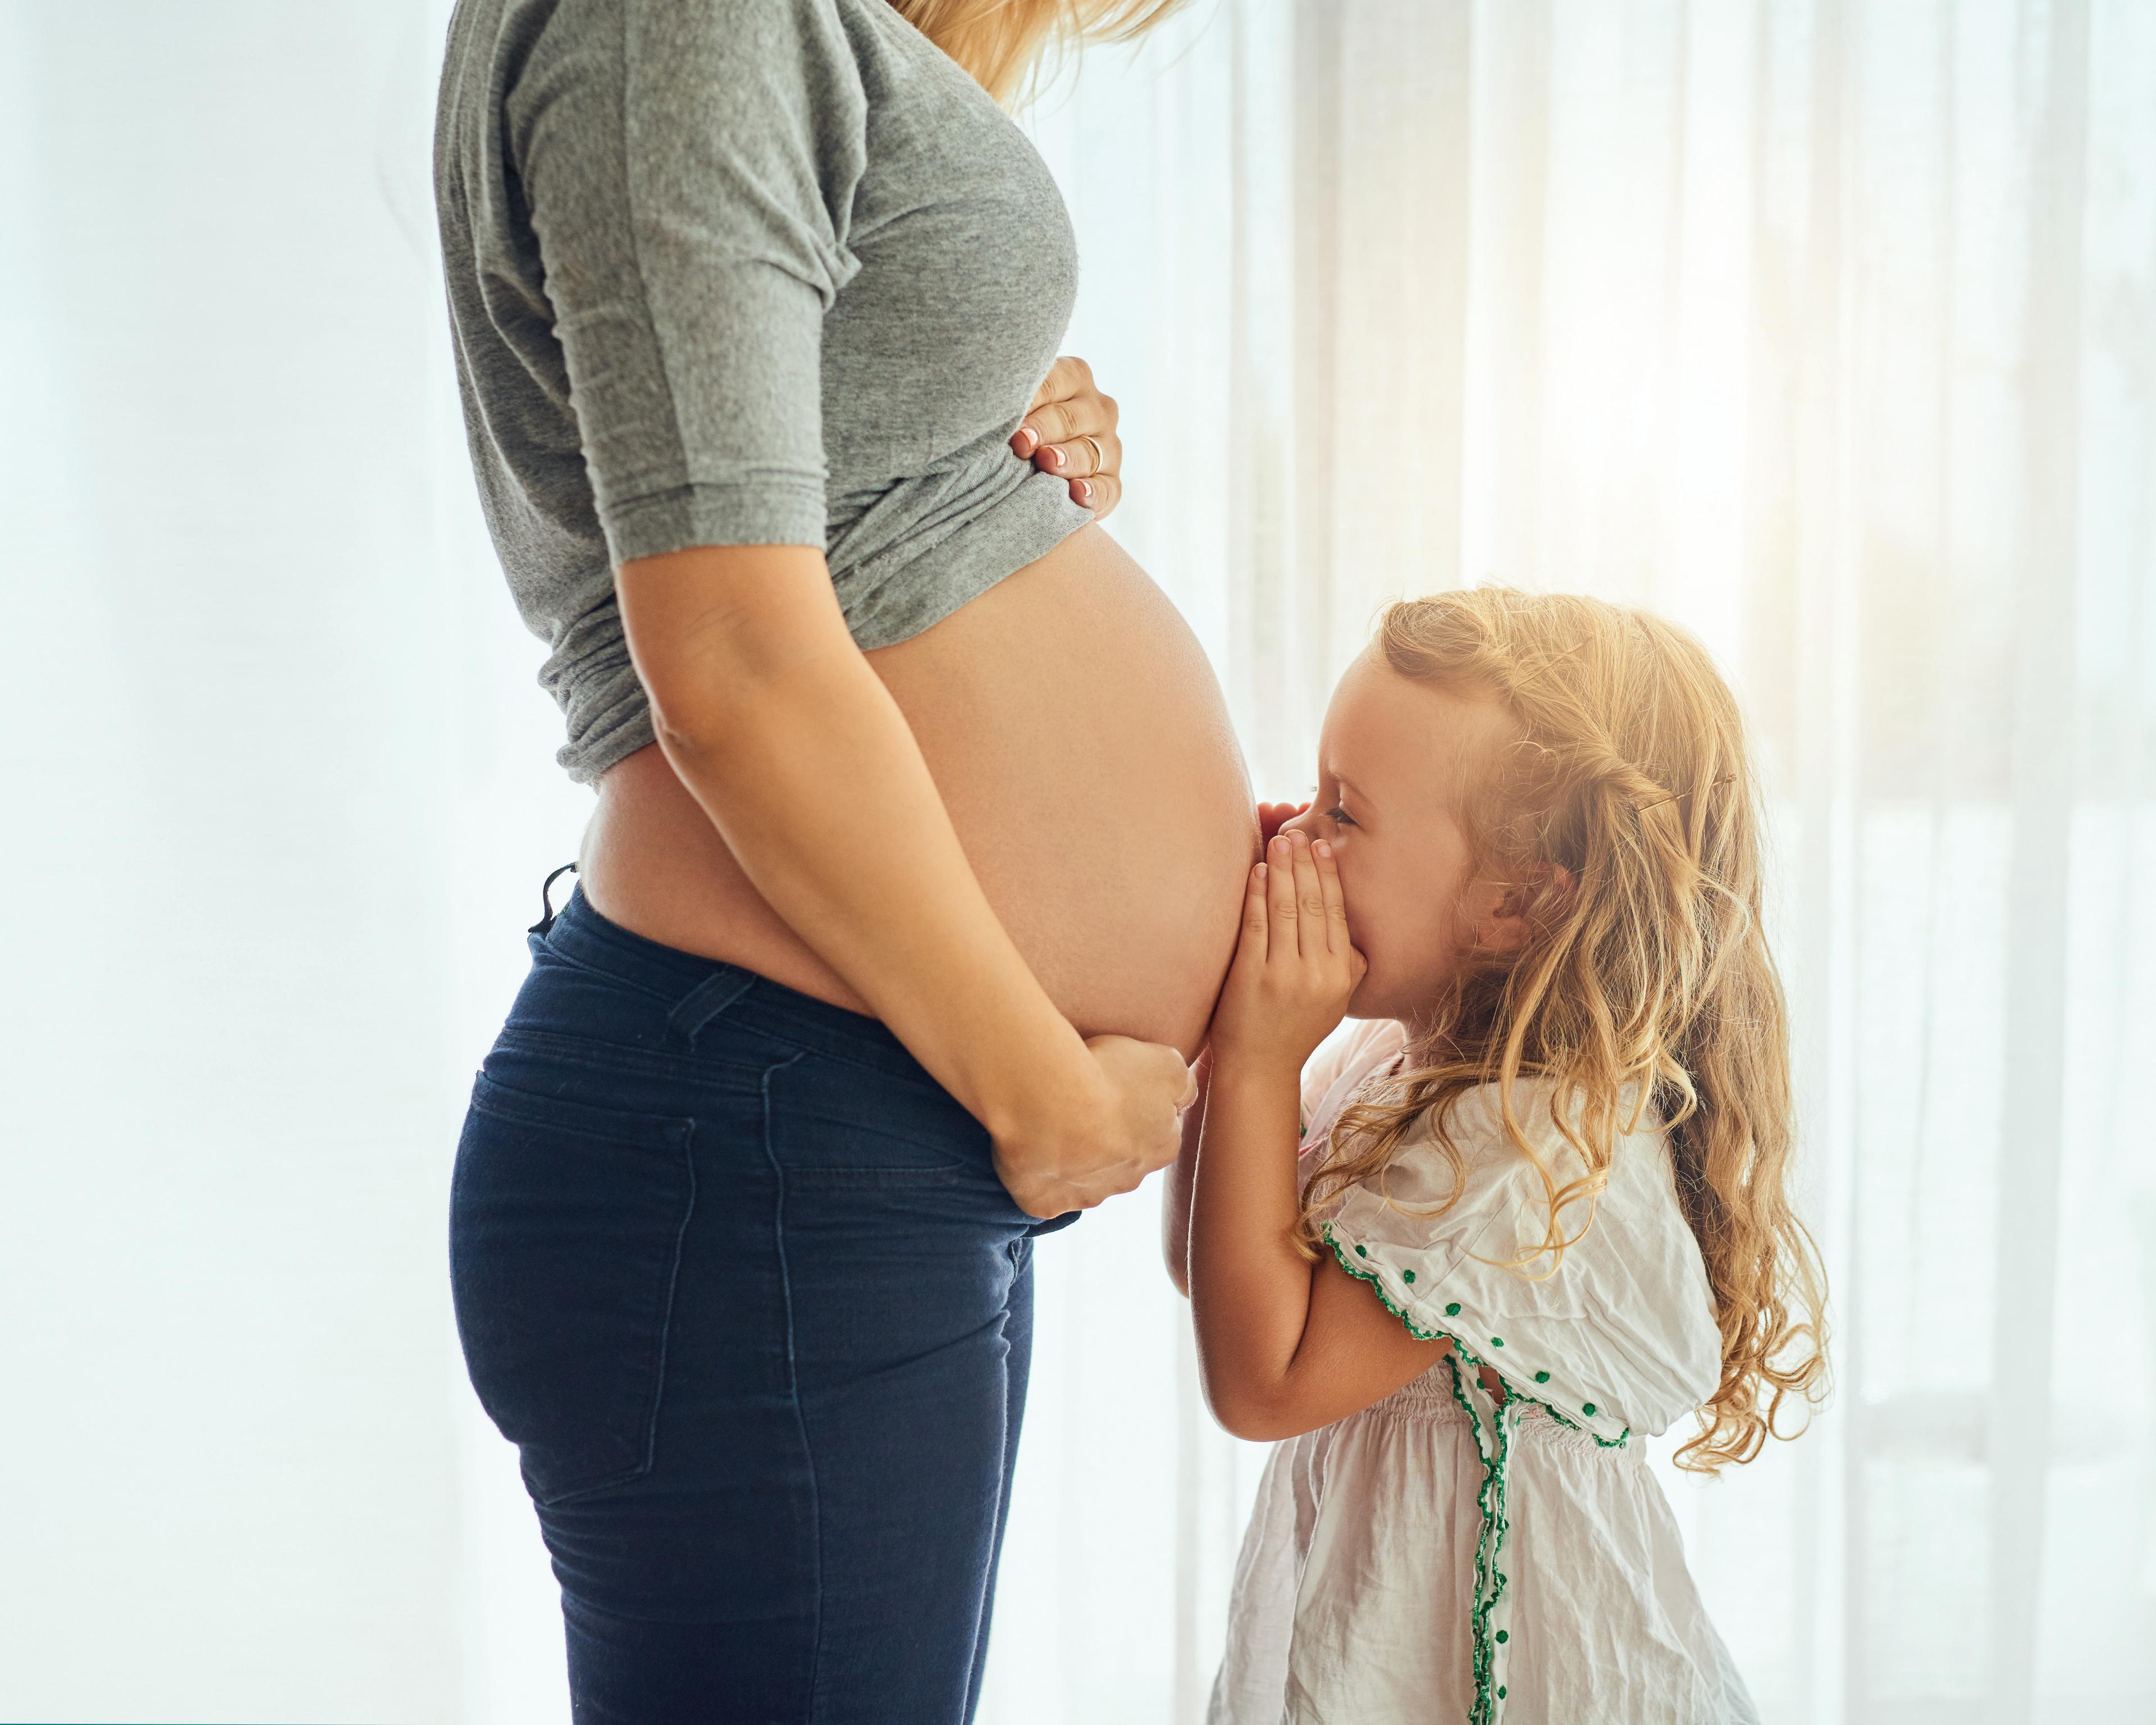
[
  {"x": 793, "y": 1040},
  {"x": 793, "y": 1381},
  {"x": 666, "y": 1313},
  {"x": 735, "y": 1078},
  {"x": 616, "y": 977},
  {"x": 920, "y": 1080}
]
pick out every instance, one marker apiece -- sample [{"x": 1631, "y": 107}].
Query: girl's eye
[{"x": 1339, "y": 817}]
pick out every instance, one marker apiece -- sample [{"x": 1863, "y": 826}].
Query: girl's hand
[
  {"x": 1295, "y": 967},
  {"x": 1272, "y": 815},
  {"x": 1070, "y": 431}
]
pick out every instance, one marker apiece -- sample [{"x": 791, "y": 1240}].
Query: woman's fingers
[
  {"x": 1082, "y": 455},
  {"x": 1051, "y": 423},
  {"x": 1068, "y": 376},
  {"x": 1070, "y": 431},
  {"x": 1064, "y": 409},
  {"x": 1066, "y": 421},
  {"x": 1101, "y": 494}
]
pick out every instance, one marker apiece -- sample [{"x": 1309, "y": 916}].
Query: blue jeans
[{"x": 738, "y": 1279}]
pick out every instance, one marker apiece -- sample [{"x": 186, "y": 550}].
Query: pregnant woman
[{"x": 920, "y": 832}]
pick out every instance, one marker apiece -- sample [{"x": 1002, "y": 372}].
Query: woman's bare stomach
[{"x": 1077, "y": 733}]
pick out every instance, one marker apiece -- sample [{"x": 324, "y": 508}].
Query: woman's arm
[
  {"x": 780, "y": 730},
  {"x": 705, "y": 431},
  {"x": 1284, "y": 1345}
]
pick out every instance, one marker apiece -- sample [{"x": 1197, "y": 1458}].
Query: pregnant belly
[{"x": 1078, "y": 736}]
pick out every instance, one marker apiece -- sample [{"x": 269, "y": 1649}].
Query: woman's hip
[
  {"x": 739, "y": 1281},
  {"x": 678, "y": 1180}
]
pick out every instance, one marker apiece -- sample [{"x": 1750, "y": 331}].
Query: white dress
[{"x": 1442, "y": 1556}]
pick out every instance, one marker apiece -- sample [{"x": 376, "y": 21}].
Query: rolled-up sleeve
[{"x": 690, "y": 168}]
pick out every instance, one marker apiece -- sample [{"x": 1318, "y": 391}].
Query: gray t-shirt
[{"x": 741, "y": 272}]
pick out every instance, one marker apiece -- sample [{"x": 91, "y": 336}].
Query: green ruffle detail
[
  {"x": 1493, "y": 1443},
  {"x": 1512, "y": 1391}
]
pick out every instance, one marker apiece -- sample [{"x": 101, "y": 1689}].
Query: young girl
[{"x": 1530, "y": 1212}]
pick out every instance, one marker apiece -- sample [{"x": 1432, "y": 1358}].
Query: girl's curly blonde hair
[
  {"x": 1623, "y": 819},
  {"x": 999, "y": 42}
]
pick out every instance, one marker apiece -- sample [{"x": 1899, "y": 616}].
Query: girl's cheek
[{"x": 1369, "y": 895}]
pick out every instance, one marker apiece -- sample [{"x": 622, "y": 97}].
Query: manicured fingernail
[
  {"x": 1081, "y": 490},
  {"x": 1054, "y": 457},
  {"x": 1027, "y": 440}
]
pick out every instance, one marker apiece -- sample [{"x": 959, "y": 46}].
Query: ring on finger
[{"x": 1099, "y": 460}]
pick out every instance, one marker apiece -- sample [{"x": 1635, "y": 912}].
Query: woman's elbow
[
  {"x": 711, "y": 627},
  {"x": 686, "y": 726}
]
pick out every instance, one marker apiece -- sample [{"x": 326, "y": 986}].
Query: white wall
[{"x": 245, "y": 710}]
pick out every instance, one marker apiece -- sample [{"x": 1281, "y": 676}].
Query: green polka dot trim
[
  {"x": 1361, "y": 1251},
  {"x": 1407, "y": 1275},
  {"x": 1497, "y": 1341},
  {"x": 1588, "y": 1409},
  {"x": 1490, "y": 1580},
  {"x": 1500, "y": 1691}
]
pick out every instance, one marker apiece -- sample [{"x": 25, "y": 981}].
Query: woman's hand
[
  {"x": 1107, "y": 1143},
  {"x": 1295, "y": 967},
  {"x": 1070, "y": 431}
]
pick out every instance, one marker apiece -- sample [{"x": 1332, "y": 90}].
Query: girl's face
[{"x": 1396, "y": 763}]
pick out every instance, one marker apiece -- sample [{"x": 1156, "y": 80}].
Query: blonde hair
[
  {"x": 1622, "y": 819},
  {"x": 1000, "y": 41}
]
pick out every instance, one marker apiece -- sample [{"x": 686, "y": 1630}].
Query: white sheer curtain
[
  {"x": 1826, "y": 327},
  {"x": 1830, "y": 329}
]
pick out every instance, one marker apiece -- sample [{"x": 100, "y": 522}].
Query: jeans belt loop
[{"x": 706, "y": 1002}]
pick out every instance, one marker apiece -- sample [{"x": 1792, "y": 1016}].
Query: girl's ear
[{"x": 1521, "y": 904}]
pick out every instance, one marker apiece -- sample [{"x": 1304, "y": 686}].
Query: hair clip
[{"x": 1726, "y": 779}]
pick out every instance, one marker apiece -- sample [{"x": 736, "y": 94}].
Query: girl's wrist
[
  {"x": 1248, "y": 1070},
  {"x": 1254, "y": 1055}
]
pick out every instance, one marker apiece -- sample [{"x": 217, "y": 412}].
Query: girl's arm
[
  {"x": 1175, "y": 1191},
  {"x": 1284, "y": 1345}
]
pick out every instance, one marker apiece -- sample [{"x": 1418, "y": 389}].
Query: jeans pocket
[
  {"x": 835, "y": 1126},
  {"x": 566, "y": 1223}
]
